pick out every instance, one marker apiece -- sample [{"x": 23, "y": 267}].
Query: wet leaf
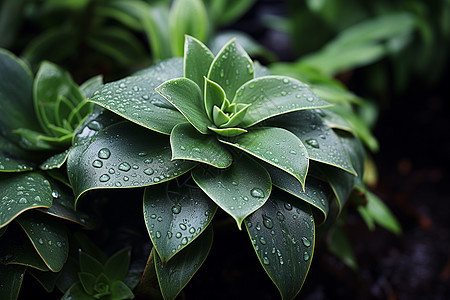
[
  {"x": 187, "y": 143},
  {"x": 186, "y": 96},
  {"x": 276, "y": 146},
  {"x": 176, "y": 273},
  {"x": 176, "y": 217},
  {"x": 11, "y": 164},
  {"x": 282, "y": 233},
  {"x": 91, "y": 85},
  {"x": 11, "y": 278},
  {"x": 49, "y": 238},
  {"x": 275, "y": 95},
  {"x": 134, "y": 97},
  {"x": 239, "y": 190},
  {"x": 121, "y": 156},
  {"x": 55, "y": 161},
  {"x": 21, "y": 192},
  {"x": 231, "y": 68},
  {"x": 197, "y": 60}
]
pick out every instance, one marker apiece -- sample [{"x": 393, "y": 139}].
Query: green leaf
[
  {"x": 187, "y": 143},
  {"x": 340, "y": 246},
  {"x": 381, "y": 214},
  {"x": 214, "y": 96},
  {"x": 9, "y": 164},
  {"x": 219, "y": 117},
  {"x": 228, "y": 132},
  {"x": 239, "y": 190},
  {"x": 116, "y": 267},
  {"x": 186, "y": 96},
  {"x": 134, "y": 97},
  {"x": 120, "y": 156},
  {"x": 197, "y": 60},
  {"x": 87, "y": 281},
  {"x": 45, "y": 278},
  {"x": 274, "y": 95},
  {"x": 90, "y": 265},
  {"x": 21, "y": 192},
  {"x": 16, "y": 97},
  {"x": 357, "y": 155},
  {"x": 283, "y": 236},
  {"x": 316, "y": 193},
  {"x": 91, "y": 85},
  {"x": 49, "y": 238},
  {"x": 277, "y": 147},
  {"x": 231, "y": 68},
  {"x": 322, "y": 144},
  {"x": 11, "y": 278},
  {"x": 52, "y": 82},
  {"x": 187, "y": 17},
  {"x": 63, "y": 108},
  {"x": 155, "y": 22},
  {"x": 55, "y": 161},
  {"x": 76, "y": 291},
  {"x": 120, "y": 290},
  {"x": 175, "y": 217},
  {"x": 225, "y": 12},
  {"x": 36, "y": 140},
  {"x": 176, "y": 273}
]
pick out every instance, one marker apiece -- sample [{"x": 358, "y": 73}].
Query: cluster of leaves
[{"x": 220, "y": 131}]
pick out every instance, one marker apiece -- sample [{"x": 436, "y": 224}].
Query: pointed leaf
[
  {"x": 90, "y": 265},
  {"x": 214, "y": 95},
  {"x": 228, "y": 132},
  {"x": 176, "y": 217},
  {"x": 381, "y": 214},
  {"x": 277, "y": 147},
  {"x": 21, "y": 192},
  {"x": 282, "y": 233},
  {"x": 187, "y": 143},
  {"x": 76, "y": 291},
  {"x": 186, "y": 96},
  {"x": 55, "y": 161},
  {"x": 134, "y": 97},
  {"x": 120, "y": 156},
  {"x": 340, "y": 246},
  {"x": 239, "y": 190},
  {"x": 197, "y": 60},
  {"x": 316, "y": 192},
  {"x": 116, "y": 267},
  {"x": 10, "y": 164},
  {"x": 120, "y": 291},
  {"x": 275, "y": 95},
  {"x": 16, "y": 96},
  {"x": 49, "y": 238},
  {"x": 11, "y": 278},
  {"x": 238, "y": 115},
  {"x": 45, "y": 278},
  {"x": 322, "y": 144},
  {"x": 87, "y": 281},
  {"x": 231, "y": 68},
  {"x": 176, "y": 273},
  {"x": 219, "y": 117}
]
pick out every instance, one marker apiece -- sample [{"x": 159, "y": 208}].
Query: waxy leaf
[
  {"x": 49, "y": 238},
  {"x": 55, "y": 161},
  {"x": 9, "y": 164},
  {"x": 91, "y": 85},
  {"x": 282, "y": 233},
  {"x": 322, "y": 144},
  {"x": 176, "y": 273},
  {"x": 276, "y": 146},
  {"x": 187, "y": 143},
  {"x": 275, "y": 95},
  {"x": 214, "y": 96},
  {"x": 116, "y": 267},
  {"x": 16, "y": 97},
  {"x": 134, "y": 97},
  {"x": 228, "y": 132},
  {"x": 186, "y": 96},
  {"x": 21, "y": 192},
  {"x": 176, "y": 217},
  {"x": 11, "y": 277},
  {"x": 231, "y": 68},
  {"x": 239, "y": 190},
  {"x": 197, "y": 60},
  {"x": 316, "y": 192},
  {"x": 120, "y": 156}
]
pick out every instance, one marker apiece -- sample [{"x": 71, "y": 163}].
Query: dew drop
[
  {"x": 313, "y": 143},
  {"x": 94, "y": 125},
  {"x": 184, "y": 241},
  {"x": 266, "y": 260},
  {"x": 257, "y": 193},
  {"x": 55, "y": 194},
  {"x": 305, "y": 256},
  {"x": 149, "y": 171},
  {"x": 268, "y": 223},
  {"x": 182, "y": 147},
  {"x": 124, "y": 167},
  {"x": 169, "y": 234},
  {"x": 111, "y": 171},
  {"x": 126, "y": 178},
  {"x": 23, "y": 201},
  {"x": 280, "y": 216},
  {"x": 41, "y": 241},
  {"x": 176, "y": 209},
  {"x": 262, "y": 240},
  {"x": 178, "y": 235},
  {"x": 192, "y": 230},
  {"x": 37, "y": 198},
  {"x": 153, "y": 216},
  {"x": 104, "y": 153},
  {"x": 97, "y": 163},
  {"x": 288, "y": 206},
  {"x": 158, "y": 234},
  {"x": 306, "y": 242},
  {"x": 183, "y": 226},
  {"x": 104, "y": 178}
]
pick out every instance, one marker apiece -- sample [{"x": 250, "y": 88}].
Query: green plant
[{"x": 220, "y": 131}]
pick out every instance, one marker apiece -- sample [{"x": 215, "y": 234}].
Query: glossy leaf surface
[
  {"x": 49, "y": 238},
  {"x": 176, "y": 217},
  {"x": 186, "y": 96},
  {"x": 282, "y": 233},
  {"x": 22, "y": 192},
  {"x": 55, "y": 161},
  {"x": 176, "y": 273},
  {"x": 187, "y": 143},
  {"x": 197, "y": 60},
  {"x": 11, "y": 278},
  {"x": 123, "y": 155},
  {"x": 10, "y": 164},
  {"x": 239, "y": 190},
  {"x": 275, "y": 95},
  {"x": 276, "y": 146},
  {"x": 134, "y": 97}
]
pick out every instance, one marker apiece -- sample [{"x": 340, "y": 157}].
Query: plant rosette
[{"x": 218, "y": 131}]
